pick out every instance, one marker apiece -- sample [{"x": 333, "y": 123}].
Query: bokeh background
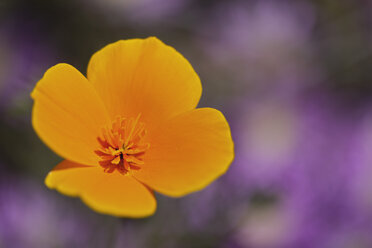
[{"x": 294, "y": 79}]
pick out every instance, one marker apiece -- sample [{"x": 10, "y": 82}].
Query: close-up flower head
[
  {"x": 185, "y": 124},
  {"x": 130, "y": 127}
]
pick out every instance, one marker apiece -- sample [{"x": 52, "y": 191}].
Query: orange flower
[{"x": 129, "y": 128}]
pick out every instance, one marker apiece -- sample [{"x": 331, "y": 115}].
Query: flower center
[{"x": 122, "y": 145}]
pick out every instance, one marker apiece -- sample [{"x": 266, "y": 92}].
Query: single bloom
[{"x": 130, "y": 127}]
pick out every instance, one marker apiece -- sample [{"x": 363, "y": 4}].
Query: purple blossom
[
  {"x": 264, "y": 44},
  {"x": 317, "y": 178},
  {"x": 31, "y": 217}
]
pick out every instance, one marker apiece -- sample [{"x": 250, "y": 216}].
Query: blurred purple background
[{"x": 293, "y": 79}]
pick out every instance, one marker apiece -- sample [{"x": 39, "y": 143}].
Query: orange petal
[
  {"x": 108, "y": 193},
  {"x": 187, "y": 153},
  {"x": 68, "y": 114},
  {"x": 144, "y": 76}
]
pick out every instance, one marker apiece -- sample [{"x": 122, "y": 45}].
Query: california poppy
[{"x": 130, "y": 127}]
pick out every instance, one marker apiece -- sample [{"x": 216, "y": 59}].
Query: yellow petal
[
  {"x": 144, "y": 76},
  {"x": 108, "y": 193},
  {"x": 68, "y": 114},
  {"x": 187, "y": 153}
]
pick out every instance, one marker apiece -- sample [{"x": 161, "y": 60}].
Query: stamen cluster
[{"x": 122, "y": 145}]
